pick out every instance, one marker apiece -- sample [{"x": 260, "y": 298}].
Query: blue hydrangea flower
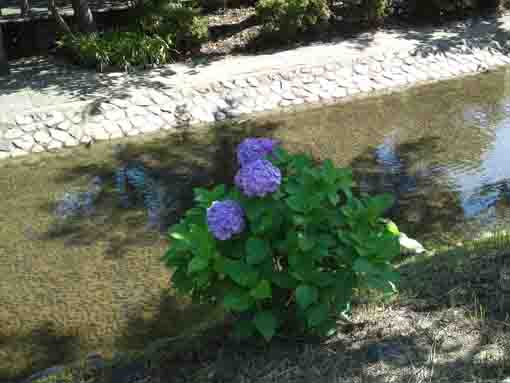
[
  {"x": 225, "y": 219},
  {"x": 252, "y": 149},
  {"x": 258, "y": 178}
]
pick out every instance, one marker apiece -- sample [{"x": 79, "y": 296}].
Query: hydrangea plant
[{"x": 285, "y": 246}]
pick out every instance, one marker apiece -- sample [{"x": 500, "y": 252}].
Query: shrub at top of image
[
  {"x": 180, "y": 20},
  {"x": 287, "y": 18},
  {"x": 285, "y": 246},
  {"x": 162, "y": 31}
]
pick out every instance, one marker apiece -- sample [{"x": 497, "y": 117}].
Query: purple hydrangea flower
[
  {"x": 258, "y": 178},
  {"x": 225, "y": 219},
  {"x": 252, "y": 149}
]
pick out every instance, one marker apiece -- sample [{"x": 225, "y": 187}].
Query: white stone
[
  {"x": 61, "y": 136},
  {"x": 159, "y": 98},
  {"x": 76, "y": 131},
  {"x": 32, "y": 127},
  {"x": 13, "y": 133},
  {"x": 25, "y": 143},
  {"x": 241, "y": 83},
  {"x": 53, "y": 145},
  {"x": 125, "y": 126},
  {"x": 409, "y": 245},
  {"x": 64, "y": 125},
  {"x": 140, "y": 100},
  {"x": 38, "y": 149},
  {"x": 17, "y": 152},
  {"x": 42, "y": 137},
  {"x": 121, "y": 103},
  {"x": 114, "y": 115},
  {"x": 135, "y": 110},
  {"x": 55, "y": 118},
  {"x": 24, "y": 120},
  {"x": 253, "y": 81}
]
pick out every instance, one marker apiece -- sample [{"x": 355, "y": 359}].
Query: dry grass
[{"x": 449, "y": 324}]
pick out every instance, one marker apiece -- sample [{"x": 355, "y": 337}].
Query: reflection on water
[
  {"x": 443, "y": 151},
  {"x": 90, "y": 277}
]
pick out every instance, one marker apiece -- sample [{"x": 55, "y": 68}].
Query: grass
[{"x": 424, "y": 334}]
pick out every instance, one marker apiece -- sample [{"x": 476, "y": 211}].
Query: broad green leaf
[
  {"x": 317, "y": 314},
  {"x": 283, "y": 280},
  {"x": 392, "y": 228},
  {"x": 306, "y": 295},
  {"x": 197, "y": 264},
  {"x": 322, "y": 278},
  {"x": 181, "y": 281},
  {"x": 328, "y": 172},
  {"x": 334, "y": 198},
  {"x": 363, "y": 265},
  {"x": 257, "y": 250},
  {"x": 297, "y": 203},
  {"x": 376, "y": 206},
  {"x": 241, "y": 273},
  {"x": 262, "y": 290},
  {"x": 238, "y": 301},
  {"x": 305, "y": 242},
  {"x": 243, "y": 329},
  {"x": 266, "y": 324}
]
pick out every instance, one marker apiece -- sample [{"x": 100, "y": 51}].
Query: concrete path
[{"x": 37, "y": 91}]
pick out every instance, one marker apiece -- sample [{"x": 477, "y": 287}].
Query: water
[{"x": 80, "y": 264}]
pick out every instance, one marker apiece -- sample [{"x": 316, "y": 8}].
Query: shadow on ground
[{"x": 424, "y": 336}]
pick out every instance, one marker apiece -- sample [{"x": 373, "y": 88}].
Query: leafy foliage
[
  {"x": 165, "y": 29},
  {"x": 290, "y": 17},
  {"x": 305, "y": 249},
  {"x": 375, "y": 10},
  {"x": 120, "y": 49},
  {"x": 177, "y": 19}
]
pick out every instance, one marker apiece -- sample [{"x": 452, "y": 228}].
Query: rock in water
[{"x": 409, "y": 246}]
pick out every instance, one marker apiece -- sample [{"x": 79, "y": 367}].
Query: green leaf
[
  {"x": 243, "y": 329},
  {"x": 305, "y": 242},
  {"x": 363, "y": 265},
  {"x": 392, "y": 228},
  {"x": 297, "y": 203},
  {"x": 317, "y": 314},
  {"x": 376, "y": 206},
  {"x": 197, "y": 264},
  {"x": 237, "y": 300},
  {"x": 205, "y": 197},
  {"x": 334, "y": 198},
  {"x": 266, "y": 323},
  {"x": 306, "y": 295},
  {"x": 257, "y": 250},
  {"x": 241, "y": 273},
  {"x": 283, "y": 280},
  {"x": 328, "y": 172},
  {"x": 262, "y": 290}
]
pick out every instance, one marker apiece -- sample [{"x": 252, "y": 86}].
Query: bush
[
  {"x": 375, "y": 10},
  {"x": 183, "y": 22},
  {"x": 119, "y": 49},
  {"x": 164, "y": 30},
  {"x": 286, "y": 246},
  {"x": 290, "y": 17},
  {"x": 436, "y": 8}
]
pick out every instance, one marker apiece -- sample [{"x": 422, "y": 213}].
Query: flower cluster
[
  {"x": 225, "y": 219},
  {"x": 257, "y": 177},
  {"x": 252, "y": 149}
]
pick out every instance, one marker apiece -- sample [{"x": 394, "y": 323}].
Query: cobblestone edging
[{"x": 151, "y": 110}]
